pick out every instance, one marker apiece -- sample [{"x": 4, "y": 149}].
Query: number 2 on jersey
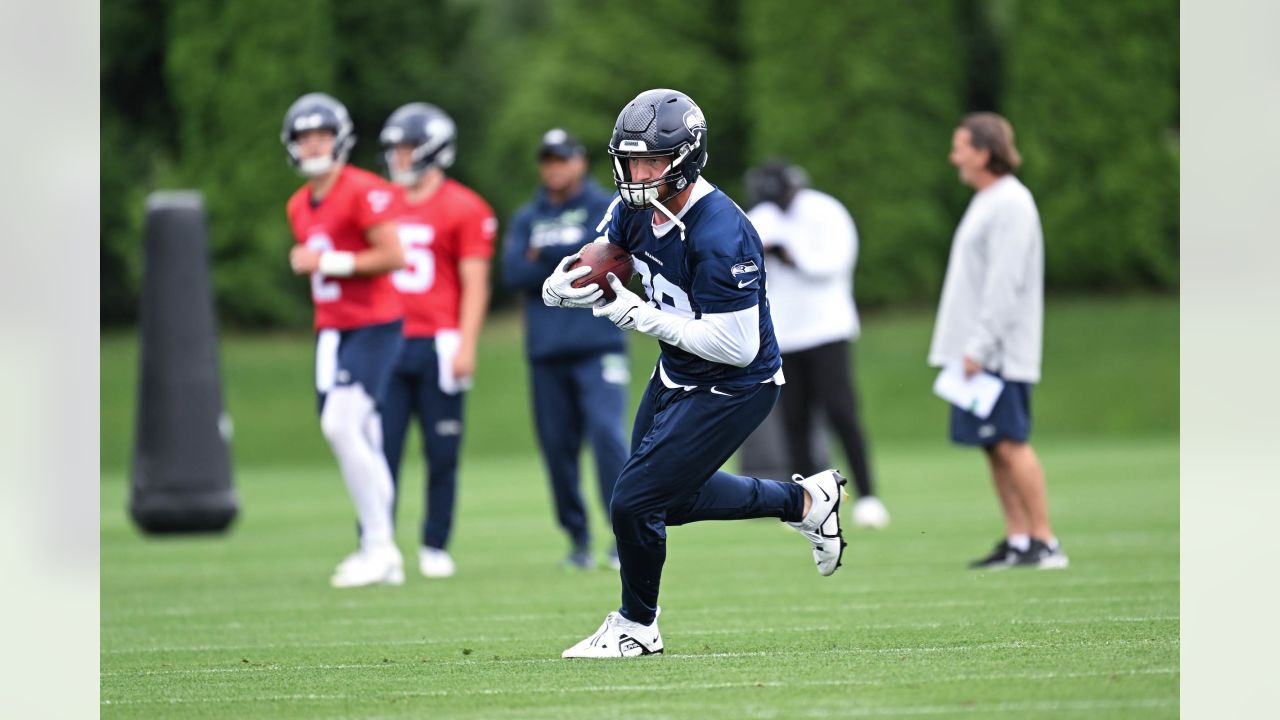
[
  {"x": 419, "y": 272},
  {"x": 323, "y": 290}
]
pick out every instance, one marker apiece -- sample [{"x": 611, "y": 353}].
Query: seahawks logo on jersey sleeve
[{"x": 745, "y": 273}]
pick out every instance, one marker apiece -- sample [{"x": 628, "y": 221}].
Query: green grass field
[{"x": 245, "y": 625}]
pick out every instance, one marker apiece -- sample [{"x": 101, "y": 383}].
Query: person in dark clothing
[{"x": 577, "y": 363}]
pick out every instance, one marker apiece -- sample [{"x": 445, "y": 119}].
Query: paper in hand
[{"x": 977, "y": 394}]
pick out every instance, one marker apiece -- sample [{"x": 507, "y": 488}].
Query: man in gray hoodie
[{"x": 991, "y": 318}]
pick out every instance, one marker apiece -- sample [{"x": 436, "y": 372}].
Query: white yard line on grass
[
  {"x": 248, "y": 667},
  {"x": 719, "y": 610},
  {"x": 482, "y": 639},
  {"x": 116, "y": 614},
  {"x": 691, "y": 686}
]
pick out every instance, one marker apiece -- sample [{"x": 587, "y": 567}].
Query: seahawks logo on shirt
[
  {"x": 744, "y": 268},
  {"x": 564, "y": 229},
  {"x": 378, "y": 200}
]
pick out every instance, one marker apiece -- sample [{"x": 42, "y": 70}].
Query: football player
[
  {"x": 346, "y": 241},
  {"x": 447, "y": 232},
  {"x": 718, "y": 373}
]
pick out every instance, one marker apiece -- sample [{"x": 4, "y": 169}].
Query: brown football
[{"x": 603, "y": 258}]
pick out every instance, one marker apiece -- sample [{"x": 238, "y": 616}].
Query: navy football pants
[
  {"x": 572, "y": 398},
  {"x": 679, "y": 441},
  {"x": 414, "y": 389}
]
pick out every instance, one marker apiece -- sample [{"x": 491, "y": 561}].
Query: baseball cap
[{"x": 560, "y": 143}]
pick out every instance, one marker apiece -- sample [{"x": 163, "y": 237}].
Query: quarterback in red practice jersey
[
  {"x": 343, "y": 223},
  {"x": 447, "y": 232}
]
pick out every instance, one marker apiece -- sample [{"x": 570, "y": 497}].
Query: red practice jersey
[
  {"x": 454, "y": 223},
  {"x": 358, "y": 201}
]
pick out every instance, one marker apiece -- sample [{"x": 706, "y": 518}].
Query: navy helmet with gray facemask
[
  {"x": 317, "y": 111},
  {"x": 431, "y": 133},
  {"x": 658, "y": 123}
]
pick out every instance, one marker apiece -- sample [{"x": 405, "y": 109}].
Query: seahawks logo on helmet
[
  {"x": 694, "y": 120},
  {"x": 660, "y": 122}
]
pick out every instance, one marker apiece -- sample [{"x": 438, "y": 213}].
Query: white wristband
[{"x": 337, "y": 263}]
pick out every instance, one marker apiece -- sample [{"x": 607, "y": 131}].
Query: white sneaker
[
  {"x": 435, "y": 563},
  {"x": 618, "y": 637},
  {"x": 822, "y": 525},
  {"x": 869, "y": 512},
  {"x": 375, "y": 566}
]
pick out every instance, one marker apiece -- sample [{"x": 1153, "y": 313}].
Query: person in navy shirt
[
  {"x": 578, "y": 368},
  {"x": 702, "y": 267}
]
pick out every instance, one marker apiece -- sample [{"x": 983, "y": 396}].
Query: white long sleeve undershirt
[{"x": 731, "y": 338}]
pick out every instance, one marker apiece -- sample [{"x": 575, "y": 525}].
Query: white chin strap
[
  {"x": 663, "y": 209},
  {"x": 670, "y": 216},
  {"x": 316, "y": 166}
]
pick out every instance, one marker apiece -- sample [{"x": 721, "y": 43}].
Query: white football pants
[{"x": 351, "y": 424}]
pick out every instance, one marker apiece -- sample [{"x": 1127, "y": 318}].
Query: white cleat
[
  {"x": 435, "y": 563},
  {"x": 822, "y": 525},
  {"x": 375, "y": 566},
  {"x": 618, "y": 637},
  {"x": 869, "y": 512}
]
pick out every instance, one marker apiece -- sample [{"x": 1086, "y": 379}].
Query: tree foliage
[
  {"x": 230, "y": 87},
  {"x": 1093, "y": 97},
  {"x": 138, "y": 139},
  {"x": 864, "y": 95},
  {"x": 591, "y": 59},
  {"x": 871, "y": 123}
]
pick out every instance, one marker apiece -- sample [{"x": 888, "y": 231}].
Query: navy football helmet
[
  {"x": 429, "y": 130},
  {"x": 658, "y": 123},
  {"x": 317, "y": 111}
]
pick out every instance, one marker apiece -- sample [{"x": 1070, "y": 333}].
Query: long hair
[{"x": 989, "y": 131}]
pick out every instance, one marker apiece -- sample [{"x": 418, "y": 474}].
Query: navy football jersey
[{"x": 715, "y": 266}]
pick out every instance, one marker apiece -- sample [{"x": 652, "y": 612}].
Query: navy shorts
[
  {"x": 360, "y": 356},
  {"x": 1010, "y": 419}
]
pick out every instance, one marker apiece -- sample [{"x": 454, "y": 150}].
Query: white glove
[
  {"x": 625, "y": 310},
  {"x": 558, "y": 290}
]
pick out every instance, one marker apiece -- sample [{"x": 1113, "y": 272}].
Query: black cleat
[
  {"x": 1001, "y": 557},
  {"x": 1040, "y": 555}
]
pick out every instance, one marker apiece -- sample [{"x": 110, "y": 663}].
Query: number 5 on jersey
[{"x": 419, "y": 271}]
